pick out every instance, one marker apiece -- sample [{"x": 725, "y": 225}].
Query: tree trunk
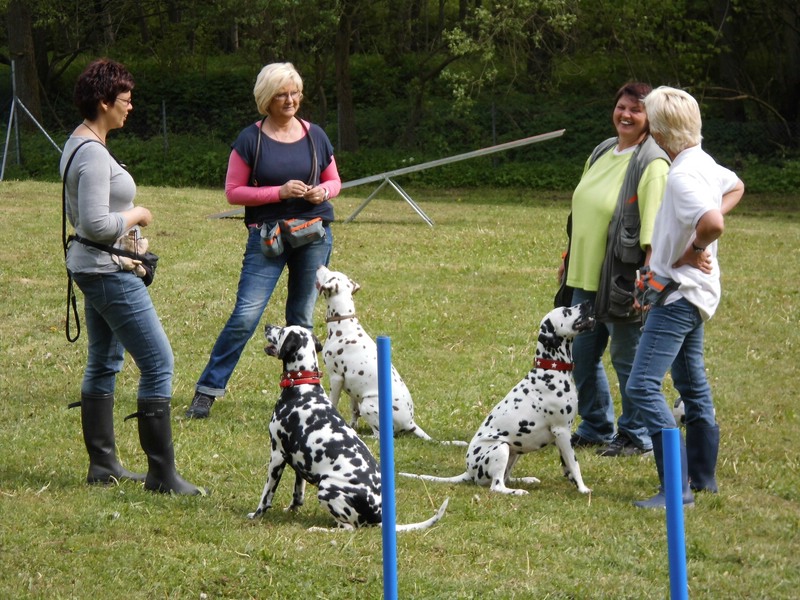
[
  {"x": 790, "y": 107},
  {"x": 144, "y": 29},
  {"x": 348, "y": 136},
  {"x": 106, "y": 26},
  {"x": 729, "y": 61},
  {"x": 20, "y": 46}
]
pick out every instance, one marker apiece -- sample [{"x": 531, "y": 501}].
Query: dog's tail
[
  {"x": 425, "y": 524},
  {"x": 463, "y": 478},
  {"x": 419, "y": 432}
]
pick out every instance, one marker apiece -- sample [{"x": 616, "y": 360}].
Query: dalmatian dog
[
  {"x": 351, "y": 358},
  {"x": 537, "y": 412},
  {"x": 307, "y": 433}
]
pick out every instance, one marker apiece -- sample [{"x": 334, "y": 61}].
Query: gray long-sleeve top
[{"x": 98, "y": 189}]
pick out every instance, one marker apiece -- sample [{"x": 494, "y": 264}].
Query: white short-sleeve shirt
[{"x": 695, "y": 185}]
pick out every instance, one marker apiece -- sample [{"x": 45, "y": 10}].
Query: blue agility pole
[
  {"x": 389, "y": 518},
  {"x": 676, "y": 538}
]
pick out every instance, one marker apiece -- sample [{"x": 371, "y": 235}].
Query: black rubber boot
[
  {"x": 660, "y": 499},
  {"x": 97, "y": 422},
  {"x": 702, "y": 450},
  {"x": 155, "y": 435}
]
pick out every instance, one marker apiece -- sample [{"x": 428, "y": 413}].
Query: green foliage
[
  {"x": 190, "y": 102},
  {"x": 779, "y": 177},
  {"x": 666, "y": 43},
  {"x": 461, "y": 304},
  {"x": 556, "y": 165}
]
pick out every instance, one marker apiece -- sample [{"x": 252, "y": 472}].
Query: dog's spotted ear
[
  {"x": 327, "y": 288},
  {"x": 317, "y": 343},
  {"x": 548, "y": 336},
  {"x": 354, "y": 286},
  {"x": 272, "y": 334},
  {"x": 291, "y": 344}
]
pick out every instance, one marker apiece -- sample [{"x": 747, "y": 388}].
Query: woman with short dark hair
[
  {"x": 99, "y": 203},
  {"x": 613, "y": 210}
]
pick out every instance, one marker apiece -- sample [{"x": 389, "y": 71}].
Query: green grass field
[{"x": 461, "y": 303}]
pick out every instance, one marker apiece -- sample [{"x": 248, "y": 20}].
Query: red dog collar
[
  {"x": 293, "y": 378},
  {"x": 552, "y": 365}
]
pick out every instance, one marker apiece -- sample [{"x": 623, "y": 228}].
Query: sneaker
[
  {"x": 200, "y": 407},
  {"x": 622, "y": 445},
  {"x": 578, "y": 441}
]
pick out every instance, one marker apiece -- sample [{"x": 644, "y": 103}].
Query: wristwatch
[
  {"x": 327, "y": 193},
  {"x": 697, "y": 249}
]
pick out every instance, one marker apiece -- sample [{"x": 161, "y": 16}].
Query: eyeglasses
[
  {"x": 127, "y": 101},
  {"x": 286, "y": 95}
]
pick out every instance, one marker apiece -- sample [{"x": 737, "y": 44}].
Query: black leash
[{"x": 72, "y": 301}]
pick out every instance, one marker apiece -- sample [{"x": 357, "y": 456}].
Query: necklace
[
  {"x": 281, "y": 135},
  {"x": 85, "y": 124}
]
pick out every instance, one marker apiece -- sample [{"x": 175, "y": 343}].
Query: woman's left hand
[
  {"x": 315, "y": 195},
  {"x": 698, "y": 260}
]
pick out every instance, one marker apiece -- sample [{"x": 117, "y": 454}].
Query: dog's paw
[
  {"x": 528, "y": 480},
  {"x": 321, "y": 529},
  {"x": 584, "y": 490},
  {"x": 509, "y": 491},
  {"x": 253, "y": 515},
  {"x": 454, "y": 443}
]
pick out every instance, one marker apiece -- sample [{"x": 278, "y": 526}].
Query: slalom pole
[
  {"x": 676, "y": 538},
  {"x": 386, "y": 426}
]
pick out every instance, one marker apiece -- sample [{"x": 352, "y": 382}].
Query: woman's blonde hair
[
  {"x": 674, "y": 117},
  {"x": 271, "y": 79}
]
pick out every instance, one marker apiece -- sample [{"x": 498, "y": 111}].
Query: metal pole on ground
[
  {"x": 13, "y": 123},
  {"x": 387, "y": 468},
  {"x": 676, "y": 537}
]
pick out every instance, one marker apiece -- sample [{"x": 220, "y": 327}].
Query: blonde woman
[
  {"x": 281, "y": 167},
  {"x": 684, "y": 249}
]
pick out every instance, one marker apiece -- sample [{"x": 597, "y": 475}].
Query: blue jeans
[
  {"x": 672, "y": 339},
  {"x": 595, "y": 404},
  {"x": 257, "y": 281},
  {"x": 120, "y": 316}
]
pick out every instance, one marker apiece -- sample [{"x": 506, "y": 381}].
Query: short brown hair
[
  {"x": 101, "y": 81},
  {"x": 636, "y": 89}
]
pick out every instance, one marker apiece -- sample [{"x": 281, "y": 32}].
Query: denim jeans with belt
[
  {"x": 595, "y": 403},
  {"x": 672, "y": 340},
  {"x": 257, "y": 281},
  {"x": 120, "y": 316}
]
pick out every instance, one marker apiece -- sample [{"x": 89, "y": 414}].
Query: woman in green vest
[{"x": 613, "y": 210}]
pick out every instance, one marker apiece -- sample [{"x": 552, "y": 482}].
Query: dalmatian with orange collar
[{"x": 537, "y": 412}]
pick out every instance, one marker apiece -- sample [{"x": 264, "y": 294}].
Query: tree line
[{"x": 741, "y": 58}]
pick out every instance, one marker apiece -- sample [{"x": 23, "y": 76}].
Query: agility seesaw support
[{"x": 386, "y": 178}]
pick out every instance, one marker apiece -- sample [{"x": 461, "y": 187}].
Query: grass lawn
[{"x": 461, "y": 303}]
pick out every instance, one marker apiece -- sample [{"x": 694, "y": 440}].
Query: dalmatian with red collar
[
  {"x": 308, "y": 434},
  {"x": 537, "y": 412}
]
